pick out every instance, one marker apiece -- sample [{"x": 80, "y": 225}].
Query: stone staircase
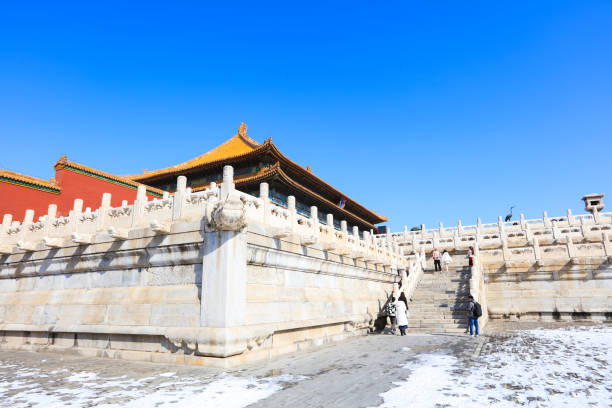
[{"x": 439, "y": 302}]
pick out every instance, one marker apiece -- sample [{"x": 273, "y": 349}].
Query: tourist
[
  {"x": 470, "y": 256},
  {"x": 402, "y": 313},
  {"x": 446, "y": 260},
  {"x": 474, "y": 312},
  {"x": 391, "y": 312},
  {"x": 436, "y": 258}
]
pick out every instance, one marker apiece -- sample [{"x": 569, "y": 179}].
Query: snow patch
[
  {"x": 82, "y": 376},
  {"x": 561, "y": 368}
]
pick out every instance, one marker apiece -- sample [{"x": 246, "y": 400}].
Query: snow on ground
[
  {"x": 88, "y": 389},
  {"x": 569, "y": 367}
]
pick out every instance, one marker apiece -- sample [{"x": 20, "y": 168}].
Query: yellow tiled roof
[
  {"x": 29, "y": 179},
  {"x": 241, "y": 146},
  {"x": 235, "y": 146}
]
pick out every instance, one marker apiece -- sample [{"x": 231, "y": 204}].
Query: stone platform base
[{"x": 158, "y": 349}]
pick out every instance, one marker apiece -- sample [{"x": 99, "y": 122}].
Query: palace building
[{"x": 255, "y": 163}]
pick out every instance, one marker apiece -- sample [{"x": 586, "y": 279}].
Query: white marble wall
[{"x": 215, "y": 277}]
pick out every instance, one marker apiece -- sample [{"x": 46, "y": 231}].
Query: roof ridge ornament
[
  {"x": 61, "y": 163},
  {"x": 242, "y": 129}
]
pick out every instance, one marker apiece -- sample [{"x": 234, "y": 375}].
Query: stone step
[
  {"x": 436, "y": 326},
  {"x": 422, "y": 330},
  {"x": 440, "y": 291},
  {"x": 430, "y": 298},
  {"x": 417, "y": 305},
  {"x": 439, "y": 311},
  {"x": 457, "y": 330},
  {"x": 437, "y": 321},
  {"x": 438, "y": 315}
]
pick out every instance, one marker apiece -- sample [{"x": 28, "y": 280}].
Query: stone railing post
[
  {"x": 505, "y": 250},
  {"x": 571, "y": 220},
  {"x": 27, "y": 221},
  {"x": 103, "y": 211},
  {"x": 405, "y": 232},
  {"x": 292, "y": 214},
  {"x": 523, "y": 223},
  {"x": 264, "y": 196},
  {"x": 227, "y": 186},
  {"x": 344, "y": 229},
  {"x": 478, "y": 226},
  {"x": 422, "y": 257},
  {"x": 528, "y": 234},
  {"x": 546, "y": 220},
  {"x": 571, "y": 250},
  {"x": 314, "y": 217},
  {"x": 423, "y": 231},
  {"x": 51, "y": 216},
  {"x": 139, "y": 205},
  {"x": 366, "y": 240},
  {"x": 179, "y": 197},
  {"x": 329, "y": 220},
  {"x": 436, "y": 239},
  {"x": 404, "y": 278},
  {"x": 223, "y": 301},
  {"x": 536, "y": 251},
  {"x": 7, "y": 220},
  {"x": 500, "y": 225},
  {"x": 596, "y": 217},
  {"x": 75, "y": 214},
  {"x": 459, "y": 228},
  {"x": 441, "y": 228},
  {"x": 555, "y": 230}
]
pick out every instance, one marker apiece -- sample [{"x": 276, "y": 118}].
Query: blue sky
[{"x": 422, "y": 112}]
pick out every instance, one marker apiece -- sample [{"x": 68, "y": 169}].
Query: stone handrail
[
  {"x": 410, "y": 280},
  {"x": 219, "y": 207},
  {"x": 522, "y": 224},
  {"x": 547, "y": 231}
]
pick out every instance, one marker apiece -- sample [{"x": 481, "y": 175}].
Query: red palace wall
[
  {"x": 16, "y": 199},
  {"x": 90, "y": 189}
]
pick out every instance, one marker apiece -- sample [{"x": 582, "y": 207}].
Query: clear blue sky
[{"x": 422, "y": 113}]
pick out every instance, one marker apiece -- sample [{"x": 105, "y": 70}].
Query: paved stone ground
[{"x": 353, "y": 373}]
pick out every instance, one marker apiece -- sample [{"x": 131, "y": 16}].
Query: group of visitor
[
  {"x": 397, "y": 310},
  {"x": 441, "y": 260},
  {"x": 444, "y": 259}
]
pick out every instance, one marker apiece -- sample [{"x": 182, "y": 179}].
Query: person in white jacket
[
  {"x": 402, "y": 313},
  {"x": 446, "y": 260}
]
